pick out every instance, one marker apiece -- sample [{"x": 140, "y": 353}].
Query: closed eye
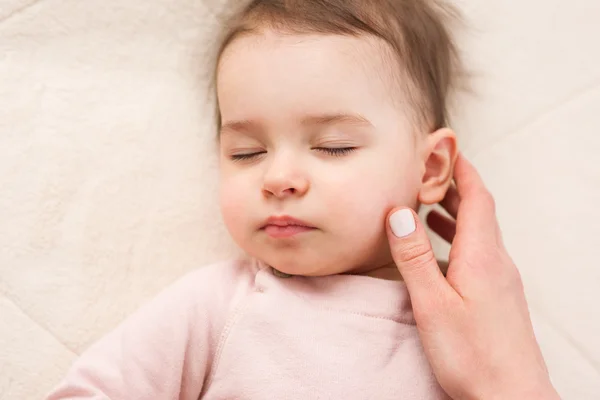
[
  {"x": 336, "y": 151},
  {"x": 246, "y": 156}
]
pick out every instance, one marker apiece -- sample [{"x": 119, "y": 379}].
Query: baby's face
[{"x": 311, "y": 133}]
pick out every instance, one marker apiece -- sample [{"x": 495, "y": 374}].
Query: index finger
[
  {"x": 451, "y": 201},
  {"x": 477, "y": 209}
]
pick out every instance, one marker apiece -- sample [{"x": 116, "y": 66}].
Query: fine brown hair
[{"x": 424, "y": 55}]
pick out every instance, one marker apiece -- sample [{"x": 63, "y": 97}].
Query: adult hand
[{"x": 474, "y": 324}]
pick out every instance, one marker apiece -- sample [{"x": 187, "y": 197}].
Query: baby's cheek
[
  {"x": 363, "y": 203},
  {"x": 400, "y": 186},
  {"x": 357, "y": 204},
  {"x": 233, "y": 207},
  {"x": 383, "y": 189}
]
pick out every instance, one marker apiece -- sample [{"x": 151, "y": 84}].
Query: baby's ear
[{"x": 440, "y": 152}]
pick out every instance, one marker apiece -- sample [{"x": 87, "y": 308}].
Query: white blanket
[{"x": 108, "y": 169}]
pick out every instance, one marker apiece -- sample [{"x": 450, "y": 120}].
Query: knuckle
[
  {"x": 514, "y": 279},
  {"x": 507, "y": 274},
  {"x": 415, "y": 255},
  {"x": 488, "y": 199}
]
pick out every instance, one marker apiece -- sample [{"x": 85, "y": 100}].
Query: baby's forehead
[
  {"x": 408, "y": 46},
  {"x": 366, "y": 50},
  {"x": 277, "y": 80},
  {"x": 331, "y": 60}
]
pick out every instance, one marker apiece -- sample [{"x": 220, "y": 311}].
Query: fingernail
[{"x": 403, "y": 223}]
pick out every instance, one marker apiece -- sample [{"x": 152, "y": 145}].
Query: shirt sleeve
[{"x": 163, "y": 351}]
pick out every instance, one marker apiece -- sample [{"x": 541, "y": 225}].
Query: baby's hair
[{"x": 424, "y": 58}]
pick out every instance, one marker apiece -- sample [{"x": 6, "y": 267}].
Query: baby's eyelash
[
  {"x": 336, "y": 151},
  {"x": 332, "y": 151},
  {"x": 247, "y": 156}
]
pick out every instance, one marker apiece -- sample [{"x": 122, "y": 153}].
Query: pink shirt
[{"x": 237, "y": 330}]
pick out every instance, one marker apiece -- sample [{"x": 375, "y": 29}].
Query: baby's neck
[{"x": 388, "y": 272}]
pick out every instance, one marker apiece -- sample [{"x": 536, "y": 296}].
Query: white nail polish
[{"x": 403, "y": 223}]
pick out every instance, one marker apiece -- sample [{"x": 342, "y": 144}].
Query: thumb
[{"x": 413, "y": 255}]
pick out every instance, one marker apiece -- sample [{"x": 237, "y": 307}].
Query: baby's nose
[{"x": 284, "y": 180}]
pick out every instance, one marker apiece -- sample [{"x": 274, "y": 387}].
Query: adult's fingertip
[{"x": 402, "y": 223}]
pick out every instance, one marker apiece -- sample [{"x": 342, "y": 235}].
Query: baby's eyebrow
[
  {"x": 337, "y": 118},
  {"x": 239, "y": 126},
  {"x": 315, "y": 119}
]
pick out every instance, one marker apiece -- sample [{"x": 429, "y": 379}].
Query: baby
[{"x": 331, "y": 113}]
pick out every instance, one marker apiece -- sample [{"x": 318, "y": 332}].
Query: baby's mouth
[
  {"x": 278, "y": 232},
  {"x": 285, "y": 226}
]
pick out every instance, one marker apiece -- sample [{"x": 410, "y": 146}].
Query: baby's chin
[
  {"x": 303, "y": 266},
  {"x": 314, "y": 266},
  {"x": 321, "y": 256}
]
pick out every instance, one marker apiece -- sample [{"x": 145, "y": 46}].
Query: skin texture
[
  {"x": 474, "y": 324},
  {"x": 286, "y": 101}
]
